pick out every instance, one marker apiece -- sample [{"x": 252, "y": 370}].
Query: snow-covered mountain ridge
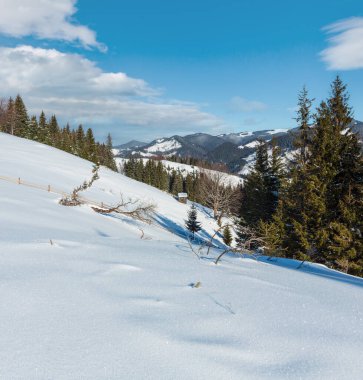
[
  {"x": 233, "y": 149},
  {"x": 83, "y": 296}
]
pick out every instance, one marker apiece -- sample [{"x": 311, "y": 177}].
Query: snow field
[{"x": 99, "y": 302}]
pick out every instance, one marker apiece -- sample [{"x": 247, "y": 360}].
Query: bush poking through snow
[{"x": 73, "y": 199}]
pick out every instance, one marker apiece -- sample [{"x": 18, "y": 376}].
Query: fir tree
[
  {"x": 227, "y": 236},
  {"x": 32, "y": 132},
  {"x": 43, "y": 130},
  {"x": 109, "y": 159},
  {"x": 303, "y": 119},
  {"x": 337, "y": 158},
  {"x": 21, "y": 118},
  {"x": 89, "y": 152},
  {"x": 274, "y": 181},
  {"x": 177, "y": 183},
  {"x": 303, "y": 205},
  {"x": 255, "y": 191},
  {"x": 79, "y": 149},
  {"x": 192, "y": 223},
  {"x": 11, "y": 117}
]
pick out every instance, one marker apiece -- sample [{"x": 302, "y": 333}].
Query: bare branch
[
  {"x": 218, "y": 193},
  {"x": 140, "y": 211},
  {"x": 73, "y": 199}
]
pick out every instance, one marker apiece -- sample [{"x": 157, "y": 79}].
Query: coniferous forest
[
  {"x": 14, "y": 119},
  {"x": 312, "y": 208}
]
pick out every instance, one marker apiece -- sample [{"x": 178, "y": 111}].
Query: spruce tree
[
  {"x": 43, "y": 130},
  {"x": 227, "y": 236},
  {"x": 110, "y": 160},
  {"x": 89, "y": 152},
  {"x": 32, "y": 131},
  {"x": 192, "y": 223},
  {"x": 79, "y": 149},
  {"x": 139, "y": 169},
  {"x": 254, "y": 205},
  {"x": 274, "y": 181},
  {"x": 10, "y": 117},
  {"x": 54, "y": 138},
  {"x": 21, "y": 118},
  {"x": 177, "y": 184},
  {"x": 303, "y": 207}
]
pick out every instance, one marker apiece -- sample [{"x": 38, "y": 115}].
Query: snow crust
[{"x": 99, "y": 302}]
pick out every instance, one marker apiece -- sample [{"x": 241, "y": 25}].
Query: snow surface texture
[{"x": 101, "y": 303}]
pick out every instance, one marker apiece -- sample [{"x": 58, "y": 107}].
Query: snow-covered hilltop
[{"x": 91, "y": 296}]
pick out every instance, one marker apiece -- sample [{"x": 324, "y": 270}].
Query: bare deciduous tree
[{"x": 219, "y": 194}]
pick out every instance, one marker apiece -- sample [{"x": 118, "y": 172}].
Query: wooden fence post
[
  {"x": 19, "y": 181},
  {"x": 48, "y": 188}
]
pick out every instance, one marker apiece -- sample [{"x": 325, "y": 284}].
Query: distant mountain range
[{"x": 236, "y": 150}]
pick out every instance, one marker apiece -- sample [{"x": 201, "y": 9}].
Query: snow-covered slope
[{"x": 102, "y": 303}]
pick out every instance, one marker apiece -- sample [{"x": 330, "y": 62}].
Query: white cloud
[
  {"x": 239, "y": 104},
  {"x": 76, "y": 89},
  {"x": 346, "y": 46},
  {"x": 45, "y": 19}
]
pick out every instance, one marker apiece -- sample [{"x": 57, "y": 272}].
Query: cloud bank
[
  {"x": 346, "y": 45},
  {"x": 76, "y": 89},
  {"x": 45, "y": 19}
]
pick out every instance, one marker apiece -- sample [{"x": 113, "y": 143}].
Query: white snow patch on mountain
[
  {"x": 163, "y": 146},
  {"x": 252, "y": 144},
  {"x": 275, "y": 131}
]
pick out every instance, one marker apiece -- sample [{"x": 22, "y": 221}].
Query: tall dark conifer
[
  {"x": 21, "y": 117},
  {"x": 254, "y": 205},
  {"x": 192, "y": 223}
]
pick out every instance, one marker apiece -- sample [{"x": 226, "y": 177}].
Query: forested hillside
[{"x": 14, "y": 119}]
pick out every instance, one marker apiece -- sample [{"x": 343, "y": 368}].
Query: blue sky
[{"x": 143, "y": 69}]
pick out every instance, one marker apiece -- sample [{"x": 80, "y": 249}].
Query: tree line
[
  {"x": 14, "y": 119},
  {"x": 212, "y": 189},
  {"x": 155, "y": 174}
]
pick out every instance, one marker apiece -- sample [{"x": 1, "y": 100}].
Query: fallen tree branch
[{"x": 140, "y": 211}]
